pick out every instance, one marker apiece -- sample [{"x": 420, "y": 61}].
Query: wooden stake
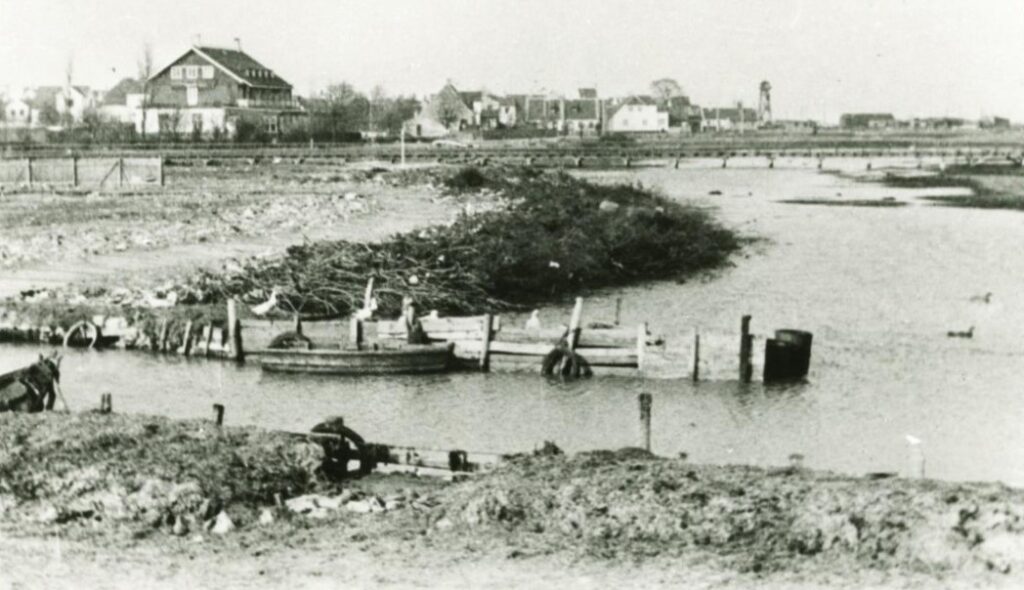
[
  {"x": 186, "y": 345},
  {"x": 618, "y": 310},
  {"x": 106, "y": 403},
  {"x": 74, "y": 170},
  {"x": 297, "y": 324},
  {"x": 28, "y": 169},
  {"x": 161, "y": 344},
  {"x": 645, "y": 419},
  {"x": 485, "y": 348},
  {"x": 641, "y": 345},
  {"x": 218, "y": 414},
  {"x": 207, "y": 339},
  {"x": 160, "y": 162},
  {"x": 235, "y": 351},
  {"x": 696, "y": 355},
  {"x": 120, "y": 172},
  {"x": 355, "y": 333},
  {"x": 574, "y": 323},
  {"x": 746, "y": 345}
]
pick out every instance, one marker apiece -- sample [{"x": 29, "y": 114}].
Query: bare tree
[
  {"x": 145, "y": 66},
  {"x": 666, "y": 89}
]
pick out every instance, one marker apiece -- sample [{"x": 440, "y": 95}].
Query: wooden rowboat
[{"x": 408, "y": 358}]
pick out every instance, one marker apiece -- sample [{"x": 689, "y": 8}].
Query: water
[{"x": 879, "y": 288}]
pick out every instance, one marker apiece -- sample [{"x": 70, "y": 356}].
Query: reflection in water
[{"x": 879, "y": 288}]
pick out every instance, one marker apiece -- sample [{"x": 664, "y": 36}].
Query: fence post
[
  {"x": 120, "y": 172},
  {"x": 218, "y": 414},
  {"x": 160, "y": 161},
  {"x": 106, "y": 403},
  {"x": 574, "y": 323},
  {"x": 74, "y": 170},
  {"x": 645, "y": 419},
  {"x": 28, "y": 170},
  {"x": 618, "y": 310},
  {"x": 746, "y": 345}
]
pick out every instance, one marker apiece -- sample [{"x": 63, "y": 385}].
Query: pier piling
[
  {"x": 218, "y": 414},
  {"x": 746, "y": 346},
  {"x": 106, "y": 403},
  {"x": 645, "y": 418}
]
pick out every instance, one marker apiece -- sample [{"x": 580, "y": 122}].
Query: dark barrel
[{"x": 787, "y": 357}]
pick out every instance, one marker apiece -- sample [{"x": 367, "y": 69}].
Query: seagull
[
  {"x": 267, "y": 306},
  {"x": 986, "y": 298},
  {"x": 968, "y": 333},
  {"x": 534, "y": 322}
]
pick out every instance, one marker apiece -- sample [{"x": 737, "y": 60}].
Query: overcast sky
[{"x": 823, "y": 57}]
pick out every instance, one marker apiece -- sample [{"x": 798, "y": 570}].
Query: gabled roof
[
  {"x": 471, "y": 97},
  {"x": 119, "y": 93},
  {"x": 237, "y": 64}
]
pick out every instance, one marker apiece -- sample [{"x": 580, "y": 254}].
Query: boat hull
[{"x": 406, "y": 360}]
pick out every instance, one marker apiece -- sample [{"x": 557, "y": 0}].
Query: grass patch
[
  {"x": 991, "y": 190},
  {"x": 551, "y": 238}
]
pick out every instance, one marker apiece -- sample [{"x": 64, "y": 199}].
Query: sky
[{"x": 823, "y": 57}]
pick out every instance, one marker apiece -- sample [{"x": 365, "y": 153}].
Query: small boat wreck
[{"x": 388, "y": 360}]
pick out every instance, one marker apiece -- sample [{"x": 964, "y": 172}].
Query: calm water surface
[{"x": 878, "y": 287}]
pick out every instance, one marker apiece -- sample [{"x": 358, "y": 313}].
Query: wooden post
[
  {"x": 160, "y": 161},
  {"x": 485, "y": 346},
  {"x": 746, "y": 344},
  {"x": 297, "y": 324},
  {"x": 696, "y": 355},
  {"x": 645, "y": 419},
  {"x": 120, "y": 172},
  {"x": 106, "y": 403},
  {"x": 618, "y": 310},
  {"x": 574, "y": 323},
  {"x": 234, "y": 332},
  {"x": 74, "y": 170},
  {"x": 355, "y": 333},
  {"x": 28, "y": 170},
  {"x": 161, "y": 344},
  {"x": 186, "y": 345},
  {"x": 641, "y": 345},
  {"x": 218, "y": 414}
]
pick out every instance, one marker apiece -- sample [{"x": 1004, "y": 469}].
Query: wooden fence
[{"x": 75, "y": 171}]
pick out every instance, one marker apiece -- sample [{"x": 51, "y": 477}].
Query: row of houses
[
  {"x": 882, "y": 121},
  {"x": 451, "y": 110},
  {"x": 211, "y": 91}
]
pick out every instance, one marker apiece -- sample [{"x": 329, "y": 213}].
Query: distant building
[
  {"x": 443, "y": 113},
  {"x": 209, "y": 90},
  {"x": 636, "y": 114},
  {"x": 73, "y": 101},
  {"x": 123, "y": 103},
  {"x": 18, "y": 113},
  {"x": 729, "y": 119},
  {"x": 994, "y": 123},
  {"x": 582, "y": 116},
  {"x": 867, "y": 121}
]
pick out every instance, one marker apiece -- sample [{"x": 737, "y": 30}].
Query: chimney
[{"x": 238, "y": 43}]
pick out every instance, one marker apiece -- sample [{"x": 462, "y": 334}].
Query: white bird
[
  {"x": 267, "y": 306},
  {"x": 913, "y": 440},
  {"x": 534, "y": 322}
]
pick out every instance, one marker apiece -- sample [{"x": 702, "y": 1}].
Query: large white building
[{"x": 636, "y": 114}]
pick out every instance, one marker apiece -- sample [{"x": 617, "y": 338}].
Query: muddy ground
[
  {"x": 92, "y": 500},
  {"x": 52, "y": 236}
]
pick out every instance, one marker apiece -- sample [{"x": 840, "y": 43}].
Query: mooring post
[
  {"x": 645, "y": 419},
  {"x": 574, "y": 323},
  {"x": 618, "y": 310},
  {"x": 641, "y": 345},
  {"x": 160, "y": 170},
  {"x": 74, "y": 170},
  {"x": 234, "y": 332},
  {"x": 355, "y": 333},
  {"x": 485, "y": 345},
  {"x": 106, "y": 403},
  {"x": 696, "y": 355},
  {"x": 218, "y": 414},
  {"x": 746, "y": 344}
]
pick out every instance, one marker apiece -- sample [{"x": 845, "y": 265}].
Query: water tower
[{"x": 764, "y": 104}]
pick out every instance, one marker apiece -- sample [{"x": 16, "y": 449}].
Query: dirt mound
[{"x": 623, "y": 505}]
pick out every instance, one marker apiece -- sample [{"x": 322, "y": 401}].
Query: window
[
  {"x": 207, "y": 72},
  {"x": 191, "y": 72},
  {"x": 176, "y": 73}
]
